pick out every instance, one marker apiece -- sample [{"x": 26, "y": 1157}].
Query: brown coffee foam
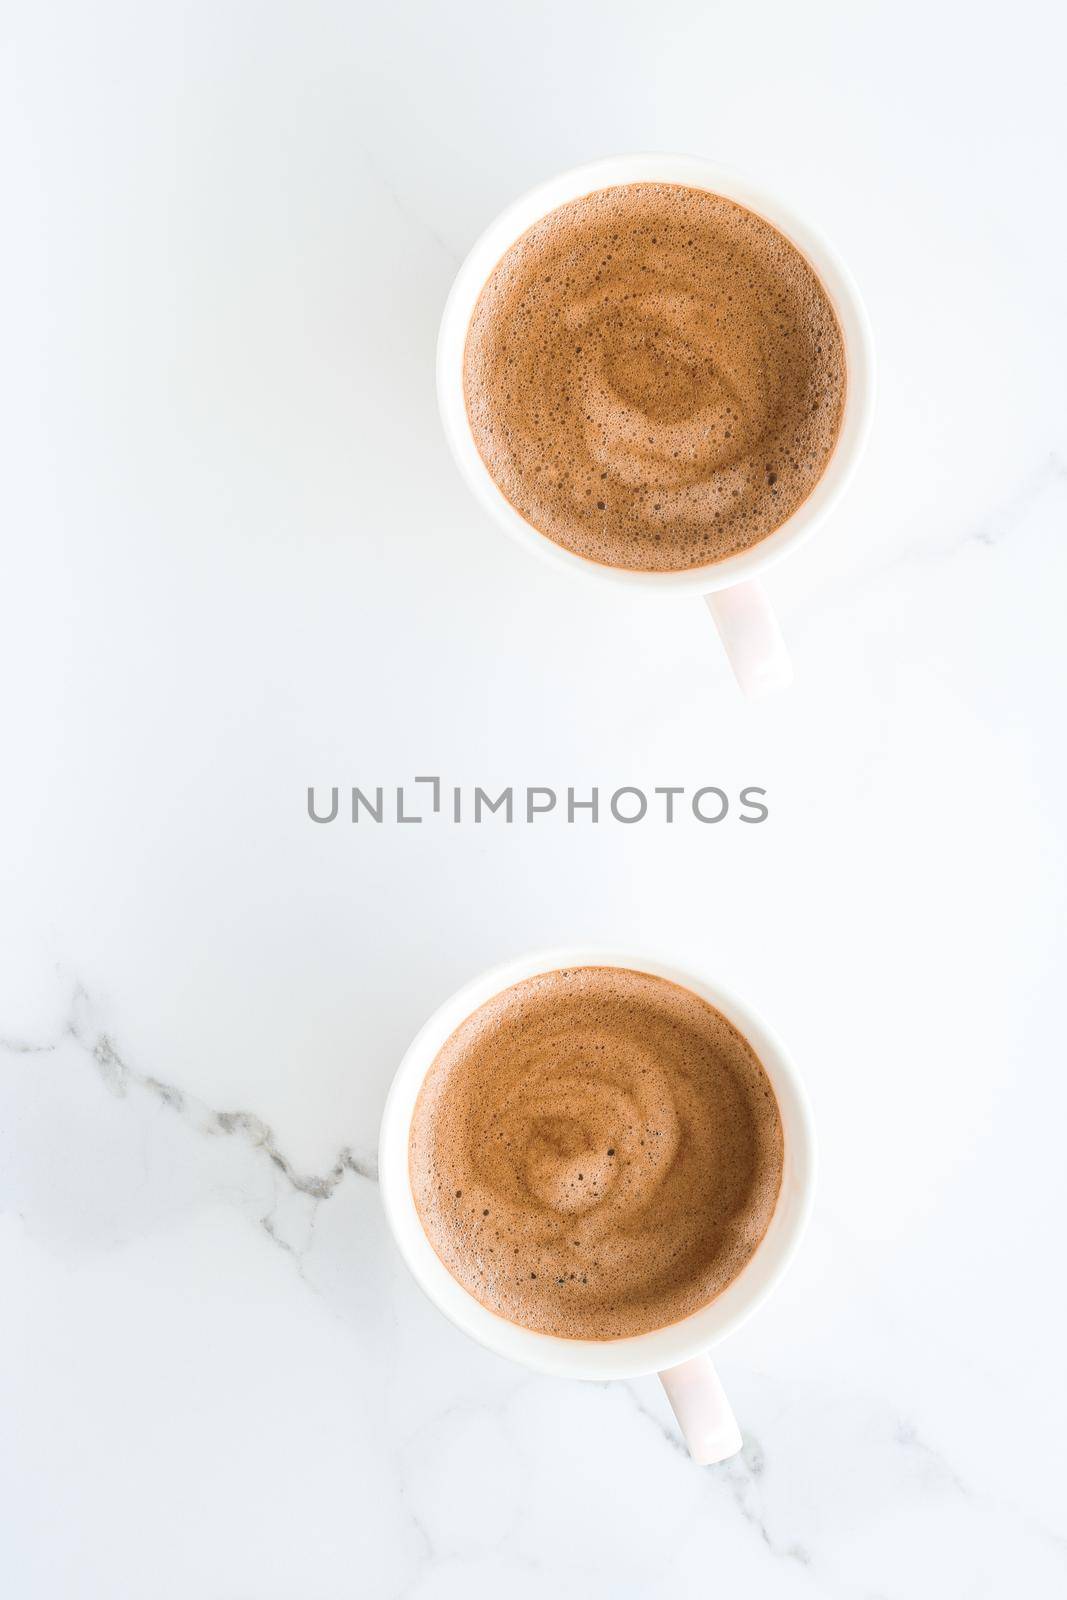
[
  {"x": 595, "y": 1153},
  {"x": 654, "y": 377}
]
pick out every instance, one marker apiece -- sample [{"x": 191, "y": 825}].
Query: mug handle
[
  {"x": 751, "y": 638},
  {"x": 699, "y": 1402}
]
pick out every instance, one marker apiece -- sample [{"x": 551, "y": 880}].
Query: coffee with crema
[
  {"x": 654, "y": 377},
  {"x": 595, "y": 1153}
]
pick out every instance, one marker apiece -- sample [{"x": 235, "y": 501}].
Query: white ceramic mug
[
  {"x": 734, "y": 594},
  {"x": 677, "y": 1353}
]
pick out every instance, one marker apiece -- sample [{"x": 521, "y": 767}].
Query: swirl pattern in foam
[
  {"x": 595, "y": 1153},
  {"x": 654, "y": 377}
]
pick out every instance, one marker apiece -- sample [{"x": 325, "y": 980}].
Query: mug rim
[
  {"x": 693, "y": 172},
  {"x": 598, "y": 1359}
]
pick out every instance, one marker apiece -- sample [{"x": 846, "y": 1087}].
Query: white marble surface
[{"x": 238, "y": 561}]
